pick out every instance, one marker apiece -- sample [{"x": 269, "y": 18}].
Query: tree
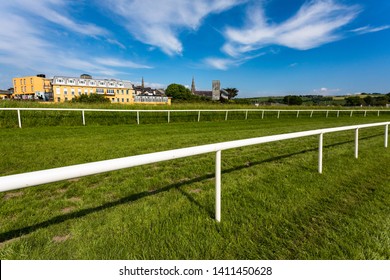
[
  {"x": 292, "y": 100},
  {"x": 354, "y": 101},
  {"x": 232, "y": 92},
  {"x": 177, "y": 91}
]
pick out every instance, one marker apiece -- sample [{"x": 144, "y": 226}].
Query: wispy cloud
[
  {"x": 25, "y": 42},
  {"x": 326, "y": 91},
  {"x": 158, "y": 23},
  {"x": 316, "y": 23},
  {"x": 369, "y": 29}
]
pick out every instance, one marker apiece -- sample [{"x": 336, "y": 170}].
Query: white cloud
[
  {"x": 24, "y": 43},
  {"x": 316, "y": 23},
  {"x": 369, "y": 29},
  {"x": 158, "y": 23},
  {"x": 326, "y": 91}
]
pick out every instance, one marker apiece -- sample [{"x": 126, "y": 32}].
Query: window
[
  {"x": 60, "y": 81},
  {"x": 66, "y": 98},
  {"x": 100, "y": 91},
  {"x": 92, "y": 83},
  {"x": 58, "y": 91},
  {"x": 127, "y": 100},
  {"x": 91, "y": 91},
  {"x": 71, "y": 81},
  {"x": 72, "y": 90},
  {"x": 85, "y": 91},
  {"x": 65, "y": 91},
  {"x": 123, "y": 100},
  {"x": 102, "y": 83},
  {"x": 58, "y": 99},
  {"x": 81, "y": 82}
]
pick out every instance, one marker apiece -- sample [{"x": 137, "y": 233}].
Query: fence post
[
  {"x": 338, "y": 113},
  {"x": 378, "y": 113},
  {"x": 199, "y": 116},
  {"x": 137, "y": 117},
  {"x": 82, "y": 114},
  {"x": 320, "y": 148},
  {"x": 297, "y": 113},
  {"x": 262, "y": 115},
  {"x": 246, "y": 115},
  {"x": 169, "y": 116},
  {"x": 356, "y": 142},
  {"x": 278, "y": 114},
  {"x": 218, "y": 186},
  {"x": 365, "y": 113},
  {"x": 19, "y": 119},
  {"x": 351, "y": 113},
  {"x": 327, "y": 113},
  {"x": 226, "y": 116},
  {"x": 386, "y": 135},
  {"x": 311, "y": 115}
]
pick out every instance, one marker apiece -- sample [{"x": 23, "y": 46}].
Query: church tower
[{"x": 193, "y": 85}]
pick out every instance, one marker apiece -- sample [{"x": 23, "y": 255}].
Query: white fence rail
[
  {"x": 29, "y": 179},
  {"x": 245, "y": 112}
]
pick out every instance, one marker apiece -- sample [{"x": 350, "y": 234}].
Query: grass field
[{"x": 274, "y": 203}]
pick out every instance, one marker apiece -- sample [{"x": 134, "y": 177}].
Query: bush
[{"x": 91, "y": 98}]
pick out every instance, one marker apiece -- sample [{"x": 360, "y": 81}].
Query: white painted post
[
  {"x": 356, "y": 142},
  {"x": 297, "y": 113},
  {"x": 137, "y": 117},
  {"x": 378, "y": 113},
  {"x": 311, "y": 115},
  {"x": 246, "y": 115},
  {"x": 386, "y": 135},
  {"x": 262, "y": 115},
  {"x": 351, "y": 113},
  {"x": 19, "y": 119},
  {"x": 327, "y": 113},
  {"x": 226, "y": 116},
  {"x": 218, "y": 186},
  {"x": 338, "y": 113},
  {"x": 199, "y": 116},
  {"x": 169, "y": 116},
  {"x": 278, "y": 114},
  {"x": 83, "y": 115},
  {"x": 320, "y": 148},
  {"x": 365, "y": 113}
]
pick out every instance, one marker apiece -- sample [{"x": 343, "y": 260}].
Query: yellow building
[
  {"x": 31, "y": 86},
  {"x": 63, "y": 88},
  {"x": 67, "y": 88}
]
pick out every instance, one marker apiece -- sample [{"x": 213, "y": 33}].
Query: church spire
[{"x": 193, "y": 85}]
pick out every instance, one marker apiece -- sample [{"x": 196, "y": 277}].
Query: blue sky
[{"x": 263, "y": 47}]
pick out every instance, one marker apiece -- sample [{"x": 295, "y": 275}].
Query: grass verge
[{"x": 274, "y": 203}]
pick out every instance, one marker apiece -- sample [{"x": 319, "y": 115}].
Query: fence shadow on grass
[{"x": 17, "y": 233}]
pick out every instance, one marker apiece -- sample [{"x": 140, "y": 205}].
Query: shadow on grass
[{"x": 17, "y": 233}]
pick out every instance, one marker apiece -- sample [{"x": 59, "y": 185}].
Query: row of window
[
  {"x": 98, "y": 91},
  {"x": 88, "y": 82},
  {"x": 112, "y": 99}
]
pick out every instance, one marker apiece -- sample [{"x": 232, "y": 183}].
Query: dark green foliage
[
  {"x": 232, "y": 92},
  {"x": 177, "y": 91},
  {"x": 354, "y": 101},
  {"x": 292, "y": 100},
  {"x": 90, "y": 98}
]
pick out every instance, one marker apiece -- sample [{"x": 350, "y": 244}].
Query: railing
[
  {"x": 198, "y": 111},
  {"x": 29, "y": 179}
]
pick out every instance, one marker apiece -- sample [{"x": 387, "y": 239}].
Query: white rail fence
[
  {"x": 29, "y": 179},
  {"x": 245, "y": 112}
]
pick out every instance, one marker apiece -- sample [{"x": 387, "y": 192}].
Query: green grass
[{"x": 274, "y": 203}]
